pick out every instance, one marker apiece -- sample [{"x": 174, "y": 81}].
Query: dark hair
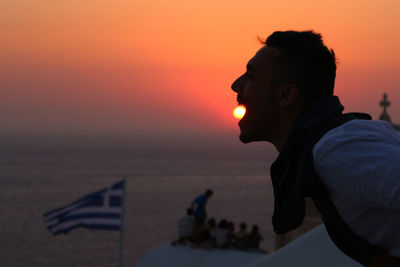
[
  {"x": 305, "y": 61},
  {"x": 211, "y": 222},
  {"x": 209, "y": 192},
  {"x": 254, "y": 229},
  {"x": 223, "y": 224},
  {"x": 189, "y": 211}
]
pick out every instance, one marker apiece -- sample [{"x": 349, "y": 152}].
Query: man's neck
[{"x": 286, "y": 123}]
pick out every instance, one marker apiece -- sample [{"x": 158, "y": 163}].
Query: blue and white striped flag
[{"x": 99, "y": 210}]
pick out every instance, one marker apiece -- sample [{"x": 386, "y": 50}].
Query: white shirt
[
  {"x": 359, "y": 162},
  {"x": 185, "y": 226}
]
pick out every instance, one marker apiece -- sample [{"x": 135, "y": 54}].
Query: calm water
[{"x": 158, "y": 192}]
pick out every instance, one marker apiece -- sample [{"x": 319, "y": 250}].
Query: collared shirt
[{"x": 359, "y": 162}]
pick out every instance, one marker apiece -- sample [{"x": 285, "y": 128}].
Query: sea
[{"x": 38, "y": 176}]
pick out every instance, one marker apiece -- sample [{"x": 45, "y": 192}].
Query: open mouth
[
  {"x": 239, "y": 112},
  {"x": 241, "y": 109}
]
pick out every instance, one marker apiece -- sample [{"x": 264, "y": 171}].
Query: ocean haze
[
  {"x": 164, "y": 174},
  {"x": 200, "y": 146}
]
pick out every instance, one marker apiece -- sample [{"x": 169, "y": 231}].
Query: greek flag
[{"x": 99, "y": 210}]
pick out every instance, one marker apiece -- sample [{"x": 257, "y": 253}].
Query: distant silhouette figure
[
  {"x": 211, "y": 226},
  {"x": 254, "y": 239},
  {"x": 221, "y": 234},
  {"x": 185, "y": 228},
  {"x": 204, "y": 234},
  {"x": 346, "y": 163},
  {"x": 199, "y": 206},
  {"x": 199, "y": 234},
  {"x": 231, "y": 235},
  {"x": 242, "y": 237}
]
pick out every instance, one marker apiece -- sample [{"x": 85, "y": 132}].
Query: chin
[{"x": 246, "y": 138}]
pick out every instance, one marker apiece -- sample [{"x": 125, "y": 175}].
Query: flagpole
[{"x": 121, "y": 238}]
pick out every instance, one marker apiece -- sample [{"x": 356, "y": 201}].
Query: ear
[{"x": 289, "y": 95}]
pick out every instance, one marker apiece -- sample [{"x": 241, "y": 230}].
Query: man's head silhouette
[{"x": 290, "y": 72}]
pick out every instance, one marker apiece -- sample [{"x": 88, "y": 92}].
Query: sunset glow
[
  {"x": 239, "y": 112},
  {"x": 143, "y": 66}
]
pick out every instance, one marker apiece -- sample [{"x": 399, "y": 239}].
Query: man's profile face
[{"x": 255, "y": 89}]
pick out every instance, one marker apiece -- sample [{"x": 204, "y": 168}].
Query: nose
[{"x": 236, "y": 85}]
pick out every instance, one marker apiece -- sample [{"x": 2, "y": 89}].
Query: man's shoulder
[
  {"x": 360, "y": 126},
  {"x": 353, "y": 130},
  {"x": 354, "y": 139}
]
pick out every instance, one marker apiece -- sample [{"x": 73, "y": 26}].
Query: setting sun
[{"x": 239, "y": 112}]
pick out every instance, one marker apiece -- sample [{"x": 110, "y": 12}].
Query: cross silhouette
[{"x": 385, "y": 103}]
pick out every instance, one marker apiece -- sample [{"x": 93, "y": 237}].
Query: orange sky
[{"x": 156, "y": 66}]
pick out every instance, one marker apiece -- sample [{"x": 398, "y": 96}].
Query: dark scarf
[
  {"x": 287, "y": 172},
  {"x": 294, "y": 178}
]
